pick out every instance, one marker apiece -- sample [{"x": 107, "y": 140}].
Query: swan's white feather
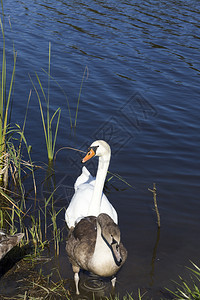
[
  {"x": 85, "y": 177},
  {"x": 78, "y": 207}
]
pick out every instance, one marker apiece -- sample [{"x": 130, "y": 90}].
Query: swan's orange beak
[{"x": 89, "y": 155}]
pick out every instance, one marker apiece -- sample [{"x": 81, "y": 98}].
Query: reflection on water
[
  {"x": 154, "y": 257},
  {"x": 141, "y": 95},
  {"x": 94, "y": 285}
]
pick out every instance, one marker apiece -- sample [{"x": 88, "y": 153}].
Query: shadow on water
[{"x": 15, "y": 255}]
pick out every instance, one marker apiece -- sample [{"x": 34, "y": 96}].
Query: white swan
[{"x": 88, "y": 199}]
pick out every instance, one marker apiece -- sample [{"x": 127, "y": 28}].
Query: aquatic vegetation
[
  {"x": 38, "y": 222},
  {"x": 188, "y": 290},
  {"x": 5, "y": 106},
  {"x": 47, "y": 123},
  {"x": 11, "y": 162},
  {"x": 79, "y": 96},
  {"x": 128, "y": 296}
]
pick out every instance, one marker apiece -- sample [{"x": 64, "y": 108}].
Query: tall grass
[
  {"x": 39, "y": 225},
  {"x": 128, "y": 296},
  {"x": 10, "y": 154},
  {"x": 47, "y": 122},
  {"x": 47, "y": 119},
  {"x": 188, "y": 290},
  {"x": 13, "y": 213},
  {"x": 79, "y": 95},
  {"x": 5, "y": 104}
]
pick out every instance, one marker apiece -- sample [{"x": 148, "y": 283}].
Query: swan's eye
[
  {"x": 93, "y": 149},
  {"x": 90, "y": 152}
]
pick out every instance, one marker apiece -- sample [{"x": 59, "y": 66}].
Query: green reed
[
  {"x": 5, "y": 103},
  {"x": 10, "y": 155},
  {"x": 47, "y": 122},
  {"x": 188, "y": 290},
  {"x": 79, "y": 95},
  {"x": 85, "y": 75},
  {"x": 128, "y": 296},
  {"x": 56, "y": 230}
]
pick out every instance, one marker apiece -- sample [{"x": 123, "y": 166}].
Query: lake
[{"x": 140, "y": 93}]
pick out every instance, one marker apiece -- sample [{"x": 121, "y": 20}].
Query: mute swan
[
  {"x": 7, "y": 242},
  {"x": 88, "y": 199},
  {"x": 94, "y": 245}
]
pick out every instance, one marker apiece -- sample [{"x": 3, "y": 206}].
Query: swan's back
[
  {"x": 79, "y": 205},
  {"x": 84, "y": 178}
]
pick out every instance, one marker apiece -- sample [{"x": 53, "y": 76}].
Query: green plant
[
  {"x": 10, "y": 154},
  {"x": 50, "y": 138},
  {"x": 79, "y": 96},
  {"x": 188, "y": 290},
  {"x": 5, "y": 103},
  {"x": 119, "y": 178},
  {"x": 50, "y": 210},
  {"x": 85, "y": 74},
  {"x": 127, "y": 296},
  {"x": 56, "y": 230}
]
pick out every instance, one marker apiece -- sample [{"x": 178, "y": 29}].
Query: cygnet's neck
[{"x": 95, "y": 204}]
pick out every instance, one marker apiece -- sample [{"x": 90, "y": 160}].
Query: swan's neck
[{"x": 95, "y": 204}]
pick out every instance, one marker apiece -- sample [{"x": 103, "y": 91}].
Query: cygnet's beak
[{"x": 91, "y": 153}]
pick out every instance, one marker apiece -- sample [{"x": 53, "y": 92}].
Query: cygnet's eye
[{"x": 113, "y": 240}]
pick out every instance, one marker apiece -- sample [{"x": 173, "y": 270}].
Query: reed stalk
[
  {"x": 5, "y": 103},
  {"x": 79, "y": 96},
  {"x": 56, "y": 230},
  {"x": 47, "y": 123},
  {"x": 188, "y": 289}
]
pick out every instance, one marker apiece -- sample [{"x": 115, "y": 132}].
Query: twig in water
[
  {"x": 155, "y": 203},
  {"x": 69, "y": 148}
]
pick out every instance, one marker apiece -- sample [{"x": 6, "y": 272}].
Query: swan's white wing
[
  {"x": 79, "y": 205},
  {"x": 85, "y": 177},
  {"x": 107, "y": 208}
]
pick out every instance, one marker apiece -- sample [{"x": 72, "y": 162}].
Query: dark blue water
[{"x": 141, "y": 94}]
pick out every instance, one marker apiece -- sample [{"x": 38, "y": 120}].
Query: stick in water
[{"x": 155, "y": 203}]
